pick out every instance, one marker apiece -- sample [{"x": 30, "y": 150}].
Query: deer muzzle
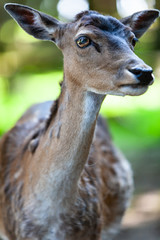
[{"x": 144, "y": 76}]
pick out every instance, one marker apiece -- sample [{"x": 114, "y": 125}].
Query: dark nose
[{"x": 144, "y": 76}]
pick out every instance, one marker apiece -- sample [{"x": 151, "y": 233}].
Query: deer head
[{"x": 98, "y": 50}]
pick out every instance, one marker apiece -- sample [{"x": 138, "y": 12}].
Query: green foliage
[{"x": 28, "y": 89}]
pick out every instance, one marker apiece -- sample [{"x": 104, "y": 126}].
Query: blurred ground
[{"x": 142, "y": 220}]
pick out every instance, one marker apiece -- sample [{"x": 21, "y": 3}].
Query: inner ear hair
[
  {"x": 36, "y": 23},
  {"x": 139, "y": 22}
]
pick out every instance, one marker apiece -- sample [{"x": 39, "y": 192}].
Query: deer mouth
[
  {"x": 135, "y": 89},
  {"x": 138, "y": 85}
]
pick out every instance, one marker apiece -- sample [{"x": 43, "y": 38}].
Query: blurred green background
[{"x": 30, "y": 71}]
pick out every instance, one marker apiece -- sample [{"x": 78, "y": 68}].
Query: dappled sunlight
[
  {"x": 142, "y": 220},
  {"x": 69, "y": 8},
  {"x": 145, "y": 208},
  {"x": 131, "y": 6}
]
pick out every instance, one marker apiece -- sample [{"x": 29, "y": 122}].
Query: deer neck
[{"x": 66, "y": 144}]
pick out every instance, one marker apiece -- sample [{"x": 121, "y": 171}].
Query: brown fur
[
  {"x": 61, "y": 176},
  {"x": 92, "y": 212}
]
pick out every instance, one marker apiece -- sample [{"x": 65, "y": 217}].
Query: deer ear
[
  {"x": 139, "y": 22},
  {"x": 35, "y": 23}
]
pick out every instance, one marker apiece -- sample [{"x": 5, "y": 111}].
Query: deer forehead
[
  {"x": 100, "y": 23},
  {"x": 97, "y": 26}
]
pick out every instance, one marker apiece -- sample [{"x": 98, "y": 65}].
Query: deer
[{"x": 61, "y": 176}]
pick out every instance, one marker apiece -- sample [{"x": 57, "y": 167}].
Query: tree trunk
[
  {"x": 103, "y": 6},
  {"x": 157, "y": 45}
]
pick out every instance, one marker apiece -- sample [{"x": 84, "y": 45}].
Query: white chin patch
[
  {"x": 123, "y": 91},
  {"x": 106, "y": 92},
  {"x": 132, "y": 91},
  {"x": 115, "y": 93}
]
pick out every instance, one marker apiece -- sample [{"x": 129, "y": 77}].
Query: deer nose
[{"x": 144, "y": 76}]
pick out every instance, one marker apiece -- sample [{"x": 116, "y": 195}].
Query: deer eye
[
  {"x": 134, "y": 41},
  {"x": 83, "y": 42}
]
